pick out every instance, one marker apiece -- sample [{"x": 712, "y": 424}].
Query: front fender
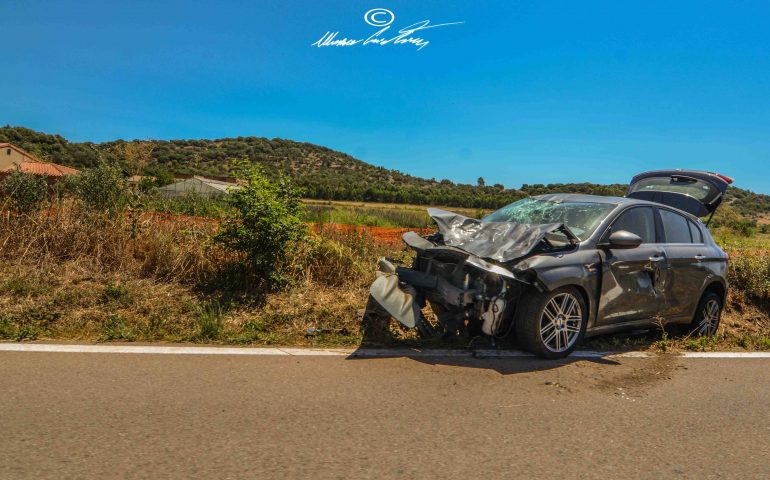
[{"x": 584, "y": 272}]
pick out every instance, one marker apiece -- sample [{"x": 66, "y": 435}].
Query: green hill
[{"x": 323, "y": 173}]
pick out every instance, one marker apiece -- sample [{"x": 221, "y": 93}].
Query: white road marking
[
  {"x": 727, "y": 354},
  {"x": 339, "y": 352}
]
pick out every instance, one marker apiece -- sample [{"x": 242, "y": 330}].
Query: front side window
[
  {"x": 638, "y": 220},
  {"x": 675, "y": 227}
]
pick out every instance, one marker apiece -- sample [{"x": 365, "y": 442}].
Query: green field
[{"x": 372, "y": 214}]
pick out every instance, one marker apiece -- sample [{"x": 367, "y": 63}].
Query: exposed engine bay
[{"x": 466, "y": 272}]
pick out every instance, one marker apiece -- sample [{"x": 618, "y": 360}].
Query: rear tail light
[{"x": 723, "y": 177}]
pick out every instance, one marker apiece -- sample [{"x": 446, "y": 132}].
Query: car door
[
  {"x": 686, "y": 254},
  {"x": 633, "y": 280}
]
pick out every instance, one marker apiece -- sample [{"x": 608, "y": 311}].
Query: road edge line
[{"x": 336, "y": 352}]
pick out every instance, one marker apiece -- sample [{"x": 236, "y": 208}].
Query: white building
[{"x": 202, "y": 186}]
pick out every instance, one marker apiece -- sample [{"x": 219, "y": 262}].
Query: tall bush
[
  {"x": 103, "y": 188},
  {"x": 25, "y": 192},
  {"x": 267, "y": 223}
]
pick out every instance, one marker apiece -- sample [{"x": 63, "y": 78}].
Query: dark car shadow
[
  {"x": 502, "y": 356},
  {"x": 500, "y": 363}
]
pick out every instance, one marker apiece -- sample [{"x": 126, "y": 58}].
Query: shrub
[
  {"x": 267, "y": 223},
  {"x": 750, "y": 272},
  {"x": 116, "y": 328},
  {"x": 729, "y": 218},
  {"x": 117, "y": 293},
  {"x": 103, "y": 189},
  {"x": 26, "y": 192},
  {"x": 147, "y": 184}
]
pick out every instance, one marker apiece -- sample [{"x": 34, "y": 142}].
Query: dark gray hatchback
[{"x": 556, "y": 268}]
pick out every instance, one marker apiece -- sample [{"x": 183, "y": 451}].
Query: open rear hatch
[{"x": 692, "y": 191}]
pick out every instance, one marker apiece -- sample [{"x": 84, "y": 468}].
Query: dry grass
[
  {"x": 746, "y": 320},
  {"x": 68, "y": 274}
]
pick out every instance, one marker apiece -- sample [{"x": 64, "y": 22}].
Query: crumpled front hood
[{"x": 500, "y": 241}]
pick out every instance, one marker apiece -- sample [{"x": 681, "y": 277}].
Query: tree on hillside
[{"x": 136, "y": 155}]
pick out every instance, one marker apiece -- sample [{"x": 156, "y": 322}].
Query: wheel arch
[
  {"x": 590, "y": 301},
  {"x": 716, "y": 286}
]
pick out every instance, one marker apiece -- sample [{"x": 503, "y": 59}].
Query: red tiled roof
[{"x": 42, "y": 168}]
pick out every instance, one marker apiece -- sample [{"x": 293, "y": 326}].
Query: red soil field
[{"x": 384, "y": 235}]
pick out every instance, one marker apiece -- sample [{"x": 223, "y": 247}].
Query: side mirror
[{"x": 623, "y": 239}]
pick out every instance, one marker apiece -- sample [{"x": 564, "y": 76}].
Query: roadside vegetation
[
  {"x": 93, "y": 260},
  {"x": 77, "y": 269}
]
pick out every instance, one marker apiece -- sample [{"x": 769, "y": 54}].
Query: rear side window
[
  {"x": 695, "y": 233},
  {"x": 639, "y": 220},
  {"x": 676, "y": 227}
]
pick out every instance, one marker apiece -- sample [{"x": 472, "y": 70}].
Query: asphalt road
[{"x": 65, "y": 415}]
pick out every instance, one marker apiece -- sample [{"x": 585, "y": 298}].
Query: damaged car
[{"x": 553, "y": 269}]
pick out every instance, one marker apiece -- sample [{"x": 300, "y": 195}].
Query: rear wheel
[
  {"x": 707, "y": 316},
  {"x": 551, "y": 324}
]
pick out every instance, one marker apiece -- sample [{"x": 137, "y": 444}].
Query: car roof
[{"x": 579, "y": 197}]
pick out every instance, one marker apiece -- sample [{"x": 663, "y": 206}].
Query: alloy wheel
[
  {"x": 709, "y": 318},
  {"x": 561, "y": 322}
]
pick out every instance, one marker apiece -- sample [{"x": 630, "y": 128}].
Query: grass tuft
[{"x": 210, "y": 321}]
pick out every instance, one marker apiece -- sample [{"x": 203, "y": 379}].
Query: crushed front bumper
[{"x": 399, "y": 303}]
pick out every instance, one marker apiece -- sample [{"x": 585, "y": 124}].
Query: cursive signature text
[{"x": 410, "y": 35}]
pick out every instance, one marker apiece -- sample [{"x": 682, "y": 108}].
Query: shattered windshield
[{"x": 581, "y": 218}]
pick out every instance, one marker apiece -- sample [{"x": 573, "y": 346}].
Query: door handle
[
  {"x": 657, "y": 258},
  {"x": 700, "y": 257}
]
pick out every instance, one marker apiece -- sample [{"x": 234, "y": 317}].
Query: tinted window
[
  {"x": 697, "y": 236},
  {"x": 639, "y": 220},
  {"x": 676, "y": 227}
]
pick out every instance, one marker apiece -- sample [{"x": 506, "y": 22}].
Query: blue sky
[{"x": 521, "y": 92}]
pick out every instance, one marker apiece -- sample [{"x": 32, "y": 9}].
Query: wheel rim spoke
[
  {"x": 548, "y": 327},
  {"x": 550, "y": 337},
  {"x": 546, "y": 312}
]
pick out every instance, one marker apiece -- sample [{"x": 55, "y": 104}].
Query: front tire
[
  {"x": 551, "y": 324},
  {"x": 707, "y": 316}
]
